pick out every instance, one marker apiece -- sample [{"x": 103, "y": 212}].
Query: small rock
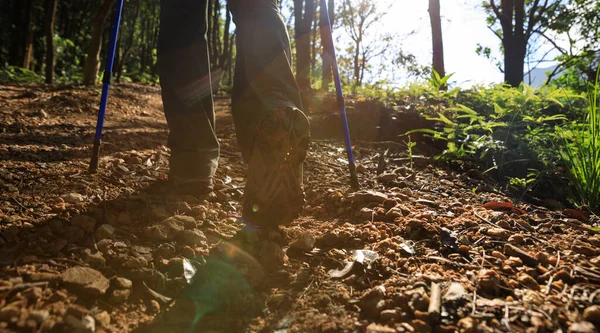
[
  {"x": 271, "y": 255},
  {"x": 9, "y": 313},
  {"x": 516, "y": 239},
  {"x": 77, "y": 311},
  {"x": 499, "y": 255},
  {"x": 331, "y": 238},
  {"x": 389, "y": 315},
  {"x": 122, "y": 283},
  {"x": 134, "y": 263},
  {"x": 562, "y": 275},
  {"x": 498, "y": 233},
  {"x": 376, "y": 328},
  {"x": 188, "y": 252},
  {"x": 393, "y": 214},
  {"x": 371, "y": 302},
  {"x": 585, "y": 250},
  {"x": 38, "y": 316},
  {"x": 387, "y": 177},
  {"x": 366, "y": 213},
  {"x": 84, "y": 325},
  {"x": 527, "y": 258},
  {"x": 455, "y": 292},
  {"x": 43, "y": 276},
  {"x": 86, "y": 223},
  {"x": 102, "y": 318},
  {"x": 104, "y": 231},
  {"x": 513, "y": 262},
  {"x": 582, "y": 327},
  {"x": 420, "y": 326},
  {"x": 193, "y": 237},
  {"x": 543, "y": 258},
  {"x": 528, "y": 281},
  {"x": 592, "y": 314},
  {"x": 464, "y": 249},
  {"x": 33, "y": 294},
  {"x": 86, "y": 280},
  {"x": 467, "y": 325},
  {"x": 488, "y": 280},
  {"x": 119, "y": 296},
  {"x": 367, "y": 196},
  {"x": 167, "y": 229},
  {"x": 94, "y": 259},
  {"x": 304, "y": 243},
  {"x": 153, "y": 307},
  {"x": 199, "y": 212},
  {"x": 73, "y": 198}
]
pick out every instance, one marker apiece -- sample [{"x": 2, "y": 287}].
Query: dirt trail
[{"x": 81, "y": 252}]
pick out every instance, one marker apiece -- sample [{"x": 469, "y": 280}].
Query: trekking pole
[
  {"x": 112, "y": 45},
  {"x": 328, "y": 45}
]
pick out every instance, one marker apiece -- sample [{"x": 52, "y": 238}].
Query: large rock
[
  {"x": 168, "y": 229},
  {"x": 84, "y": 279},
  {"x": 84, "y": 222},
  {"x": 193, "y": 237}
]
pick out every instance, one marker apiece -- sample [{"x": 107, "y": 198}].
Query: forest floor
[{"x": 419, "y": 249}]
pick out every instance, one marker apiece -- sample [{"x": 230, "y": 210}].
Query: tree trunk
[
  {"x": 51, "y": 6},
  {"x": 514, "y": 60},
  {"x": 225, "y": 55},
  {"x": 304, "y": 11},
  {"x": 21, "y": 48},
  {"x": 326, "y": 55},
  {"x": 92, "y": 62},
  {"x": 436, "y": 36}
]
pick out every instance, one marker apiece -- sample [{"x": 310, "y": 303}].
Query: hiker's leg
[
  {"x": 187, "y": 91},
  {"x": 272, "y": 132},
  {"x": 264, "y": 80}
]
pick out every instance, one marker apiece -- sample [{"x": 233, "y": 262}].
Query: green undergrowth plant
[
  {"x": 581, "y": 151},
  {"x": 14, "y": 74}
]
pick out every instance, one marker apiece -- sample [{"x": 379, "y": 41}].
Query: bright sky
[{"x": 463, "y": 27}]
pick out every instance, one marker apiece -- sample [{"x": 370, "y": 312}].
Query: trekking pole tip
[{"x": 95, "y": 161}]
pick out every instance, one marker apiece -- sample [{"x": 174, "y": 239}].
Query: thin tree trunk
[
  {"x": 225, "y": 55},
  {"x": 92, "y": 62},
  {"x": 436, "y": 36},
  {"x": 326, "y": 54},
  {"x": 313, "y": 49},
  {"x": 21, "y": 49},
  {"x": 304, "y": 12},
  {"x": 50, "y": 49},
  {"x": 357, "y": 63},
  {"x": 130, "y": 40}
]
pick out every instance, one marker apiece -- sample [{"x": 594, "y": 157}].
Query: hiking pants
[{"x": 263, "y": 79}]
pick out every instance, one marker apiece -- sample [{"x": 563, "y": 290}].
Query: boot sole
[{"x": 274, "y": 194}]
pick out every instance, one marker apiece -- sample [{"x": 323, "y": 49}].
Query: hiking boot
[{"x": 273, "y": 195}]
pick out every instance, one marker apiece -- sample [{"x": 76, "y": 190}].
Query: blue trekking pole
[
  {"x": 106, "y": 81},
  {"x": 328, "y": 45}
]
